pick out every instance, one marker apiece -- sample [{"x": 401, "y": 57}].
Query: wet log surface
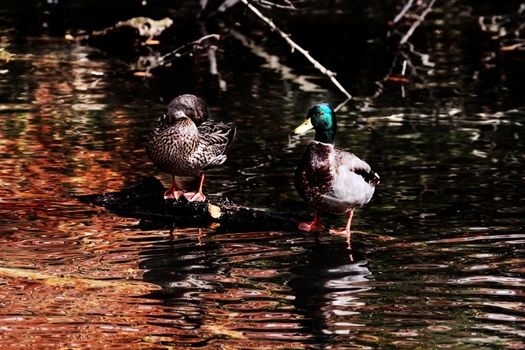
[{"x": 145, "y": 201}]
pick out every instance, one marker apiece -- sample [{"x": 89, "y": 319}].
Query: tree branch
[
  {"x": 176, "y": 53},
  {"x": 295, "y": 46},
  {"x": 403, "y": 11},
  {"x": 274, "y": 63},
  {"x": 416, "y": 24}
]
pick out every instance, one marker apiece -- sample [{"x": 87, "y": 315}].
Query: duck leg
[
  {"x": 348, "y": 223},
  {"x": 346, "y": 231},
  {"x": 314, "y": 226},
  {"x": 199, "y": 196},
  {"x": 173, "y": 192}
]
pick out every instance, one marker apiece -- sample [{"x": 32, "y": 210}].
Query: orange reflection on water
[{"x": 57, "y": 147}]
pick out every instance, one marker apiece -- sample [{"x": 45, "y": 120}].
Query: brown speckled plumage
[{"x": 183, "y": 143}]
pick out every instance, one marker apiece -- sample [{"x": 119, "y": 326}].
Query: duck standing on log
[
  {"x": 331, "y": 180},
  {"x": 184, "y": 144}
]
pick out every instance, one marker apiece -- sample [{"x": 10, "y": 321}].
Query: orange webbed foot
[
  {"x": 173, "y": 194},
  {"x": 314, "y": 226},
  {"x": 311, "y": 227},
  {"x": 343, "y": 233},
  {"x": 196, "y": 197}
]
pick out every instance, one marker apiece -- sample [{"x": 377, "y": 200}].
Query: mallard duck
[
  {"x": 184, "y": 144},
  {"x": 331, "y": 180}
]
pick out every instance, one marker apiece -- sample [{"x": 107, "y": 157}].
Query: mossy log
[{"x": 145, "y": 201}]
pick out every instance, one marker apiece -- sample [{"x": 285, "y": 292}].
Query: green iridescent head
[{"x": 321, "y": 118}]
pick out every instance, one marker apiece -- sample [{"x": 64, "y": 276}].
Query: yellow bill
[{"x": 304, "y": 127}]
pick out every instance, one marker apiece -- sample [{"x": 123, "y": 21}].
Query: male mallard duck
[
  {"x": 184, "y": 144},
  {"x": 328, "y": 179}
]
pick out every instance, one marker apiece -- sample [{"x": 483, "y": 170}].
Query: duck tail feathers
[{"x": 369, "y": 176}]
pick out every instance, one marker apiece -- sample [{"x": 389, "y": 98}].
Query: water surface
[{"x": 436, "y": 259}]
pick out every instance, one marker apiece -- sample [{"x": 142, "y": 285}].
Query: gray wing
[
  {"x": 214, "y": 139},
  {"x": 358, "y": 166}
]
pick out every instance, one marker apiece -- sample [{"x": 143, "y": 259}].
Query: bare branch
[
  {"x": 403, "y": 11},
  {"x": 177, "y": 52},
  {"x": 213, "y": 67},
  {"x": 408, "y": 65},
  {"x": 507, "y": 30},
  {"x": 295, "y": 46},
  {"x": 425, "y": 57},
  {"x": 271, "y": 4},
  {"x": 274, "y": 63},
  {"x": 145, "y": 27},
  {"x": 339, "y": 106},
  {"x": 146, "y": 63},
  {"x": 416, "y": 23},
  {"x": 226, "y": 5},
  {"x": 212, "y": 59}
]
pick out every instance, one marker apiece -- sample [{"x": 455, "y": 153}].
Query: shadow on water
[{"x": 437, "y": 256}]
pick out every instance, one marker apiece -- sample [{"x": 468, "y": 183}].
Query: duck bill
[{"x": 304, "y": 127}]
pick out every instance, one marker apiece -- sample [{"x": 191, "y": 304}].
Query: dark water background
[{"x": 437, "y": 258}]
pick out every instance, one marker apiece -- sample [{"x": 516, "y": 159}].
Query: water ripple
[{"x": 436, "y": 259}]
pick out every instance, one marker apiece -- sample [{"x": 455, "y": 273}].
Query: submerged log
[{"x": 145, "y": 201}]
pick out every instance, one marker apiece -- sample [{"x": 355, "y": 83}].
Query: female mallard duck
[
  {"x": 184, "y": 145},
  {"x": 328, "y": 179}
]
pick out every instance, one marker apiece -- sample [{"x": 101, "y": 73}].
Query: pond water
[{"x": 437, "y": 257}]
